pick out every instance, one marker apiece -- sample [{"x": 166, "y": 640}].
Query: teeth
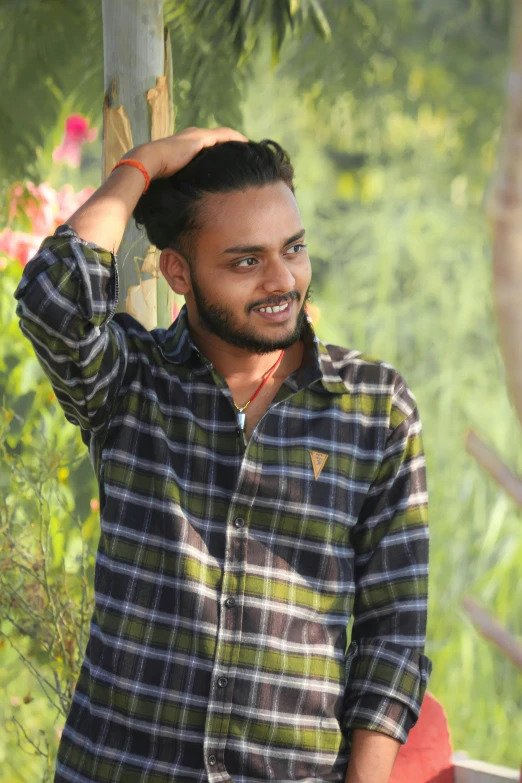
[{"x": 276, "y": 309}]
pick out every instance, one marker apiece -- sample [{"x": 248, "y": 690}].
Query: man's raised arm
[{"x": 69, "y": 291}]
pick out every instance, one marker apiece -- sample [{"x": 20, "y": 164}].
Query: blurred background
[{"x": 391, "y": 113}]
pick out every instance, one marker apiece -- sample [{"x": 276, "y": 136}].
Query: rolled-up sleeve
[
  {"x": 66, "y": 299},
  {"x": 387, "y": 669}
]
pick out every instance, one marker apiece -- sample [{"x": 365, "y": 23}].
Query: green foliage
[
  {"x": 42, "y": 72},
  {"x": 430, "y": 51},
  {"x": 446, "y": 53},
  {"x": 242, "y": 22}
]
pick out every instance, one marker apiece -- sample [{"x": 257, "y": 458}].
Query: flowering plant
[
  {"x": 76, "y": 134},
  {"x": 49, "y": 517},
  {"x": 37, "y": 210}
]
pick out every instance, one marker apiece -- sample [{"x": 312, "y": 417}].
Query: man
[{"x": 258, "y": 490}]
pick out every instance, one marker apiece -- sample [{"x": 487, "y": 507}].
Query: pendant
[{"x": 242, "y": 420}]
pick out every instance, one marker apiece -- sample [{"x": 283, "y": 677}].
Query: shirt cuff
[
  {"x": 68, "y": 232},
  {"x": 61, "y": 245},
  {"x": 385, "y": 687}
]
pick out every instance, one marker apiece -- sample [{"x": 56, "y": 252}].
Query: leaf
[
  {"x": 278, "y": 22},
  {"x": 298, "y": 8},
  {"x": 319, "y": 20}
]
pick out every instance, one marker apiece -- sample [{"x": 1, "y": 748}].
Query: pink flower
[
  {"x": 36, "y": 202},
  {"x": 44, "y": 209},
  {"x": 17, "y": 244},
  {"x": 41, "y": 209},
  {"x": 94, "y": 504},
  {"x": 68, "y": 202},
  {"x": 77, "y": 133}
]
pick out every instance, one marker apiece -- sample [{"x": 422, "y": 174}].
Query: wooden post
[
  {"x": 504, "y": 206},
  {"x": 137, "y": 109},
  {"x": 505, "y": 210}
]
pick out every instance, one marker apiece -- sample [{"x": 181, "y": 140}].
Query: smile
[
  {"x": 276, "y": 309},
  {"x": 276, "y": 314}
]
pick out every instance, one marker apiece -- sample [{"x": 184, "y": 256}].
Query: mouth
[{"x": 275, "y": 313}]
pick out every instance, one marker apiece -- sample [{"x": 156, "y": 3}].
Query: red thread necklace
[{"x": 242, "y": 416}]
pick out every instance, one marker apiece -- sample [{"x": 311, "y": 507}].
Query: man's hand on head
[{"x": 164, "y": 157}]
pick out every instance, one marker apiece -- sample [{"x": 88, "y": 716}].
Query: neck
[{"x": 242, "y": 366}]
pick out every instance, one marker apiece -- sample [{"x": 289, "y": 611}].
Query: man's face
[{"x": 249, "y": 256}]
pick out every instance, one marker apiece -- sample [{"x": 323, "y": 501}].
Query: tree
[
  {"x": 137, "y": 109},
  {"x": 505, "y": 211}
]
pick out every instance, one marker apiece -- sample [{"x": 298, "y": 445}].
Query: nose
[{"x": 278, "y": 277}]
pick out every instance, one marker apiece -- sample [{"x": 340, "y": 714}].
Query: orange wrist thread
[{"x": 137, "y": 165}]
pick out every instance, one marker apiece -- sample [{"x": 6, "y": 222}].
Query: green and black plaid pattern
[{"x": 227, "y": 575}]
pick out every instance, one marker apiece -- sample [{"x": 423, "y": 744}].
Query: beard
[{"x": 219, "y": 321}]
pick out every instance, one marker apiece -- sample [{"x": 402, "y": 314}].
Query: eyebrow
[{"x": 261, "y": 248}]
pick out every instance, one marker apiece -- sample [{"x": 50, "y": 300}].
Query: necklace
[{"x": 241, "y": 415}]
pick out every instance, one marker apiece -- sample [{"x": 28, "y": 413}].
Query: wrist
[
  {"x": 372, "y": 757},
  {"x": 143, "y": 156}
]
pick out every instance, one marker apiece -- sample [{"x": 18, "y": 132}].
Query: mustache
[{"x": 275, "y": 301}]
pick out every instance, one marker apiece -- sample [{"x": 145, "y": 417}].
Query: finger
[{"x": 227, "y": 134}]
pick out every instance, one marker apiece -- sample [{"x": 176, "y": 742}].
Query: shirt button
[
  {"x": 239, "y": 522},
  {"x": 222, "y": 682},
  {"x": 230, "y": 603},
  {"x": 212, "y": 760}
]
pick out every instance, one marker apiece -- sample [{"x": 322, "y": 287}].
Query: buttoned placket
[
  {"x": 233, "y": 585},
  {"x": 230, "y": 619}
]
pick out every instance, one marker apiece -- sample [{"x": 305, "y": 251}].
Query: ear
[{"x": 175, "y": 270}]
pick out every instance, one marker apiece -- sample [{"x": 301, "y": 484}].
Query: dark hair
[{"x": 168, "y": 210}]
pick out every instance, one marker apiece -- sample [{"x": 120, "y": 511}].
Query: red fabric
[{"x": 426, "y": 756}]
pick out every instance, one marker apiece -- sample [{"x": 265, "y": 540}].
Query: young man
[{"x": 258, "y": 490}]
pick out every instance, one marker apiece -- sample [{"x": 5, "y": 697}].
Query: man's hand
[
  {"x": 103, "y": 217},
  {"x": 165, "y": 157},
  {"x": 372, "y": 758}
]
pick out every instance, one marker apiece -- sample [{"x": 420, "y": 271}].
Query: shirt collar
[
  {"x": 320, "y": 366},
  {"x": 175, "y": 343}
]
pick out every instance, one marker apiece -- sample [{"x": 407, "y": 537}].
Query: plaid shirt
[{"x": 227, "y": 574}]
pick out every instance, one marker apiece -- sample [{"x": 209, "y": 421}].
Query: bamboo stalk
[
  {"x": 490, "y": 629},
  {"x": 492, "y": 464}
]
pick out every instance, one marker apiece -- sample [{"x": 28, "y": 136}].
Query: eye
[
  {"x": 300, "y": 246},
  {"x": 246, "y": 262}
]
